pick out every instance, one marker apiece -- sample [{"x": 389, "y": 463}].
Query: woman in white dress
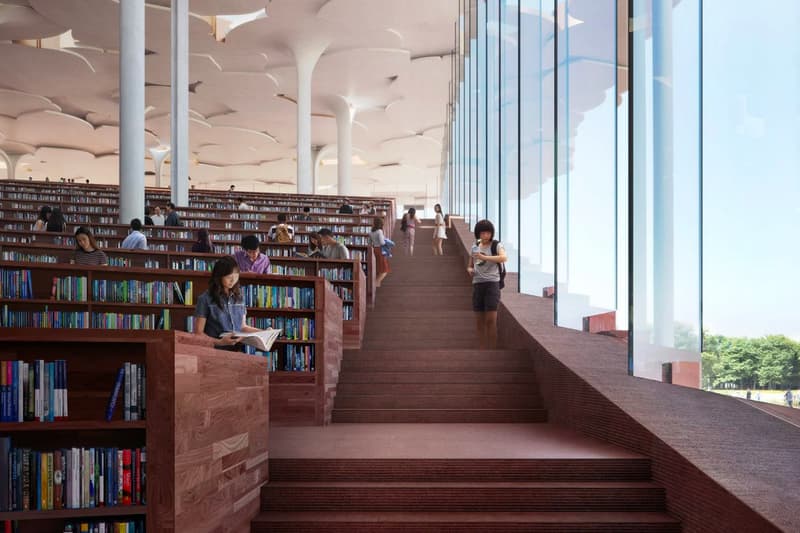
[{"x": 439, "y": 230}]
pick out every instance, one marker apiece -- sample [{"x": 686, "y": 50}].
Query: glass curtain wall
[
  {"x": 537, "y": 185},
  {"x": 665, "y": 191}
]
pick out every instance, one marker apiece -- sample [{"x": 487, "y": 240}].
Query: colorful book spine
[{"x": 33, "y": 391}]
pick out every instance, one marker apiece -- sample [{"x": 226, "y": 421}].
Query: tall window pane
[
  {"x": 480, "y": 111},
  {"x": 509, "y": 131},
  {"x": 536, "y": 138},
  {"x": 751, "y": 197},
  {"x": 586, "y": 190},
  {"x": 666, "y": 191},
  {"x": 493, "y": 114}
]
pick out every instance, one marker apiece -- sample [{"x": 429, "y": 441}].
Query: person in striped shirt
[{"x": 86, "y": 250}]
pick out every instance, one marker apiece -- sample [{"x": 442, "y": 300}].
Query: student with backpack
[
  {"x": 281, "y": 232},
  {"x": 488, "y": 273}
]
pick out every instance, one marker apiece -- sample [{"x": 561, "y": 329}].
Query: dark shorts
[{"x": 485, "y": 296}]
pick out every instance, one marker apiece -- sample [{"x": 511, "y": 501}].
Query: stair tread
[
  {"x": 468, "y": 484},
  {"x": 584, "y": 517}
]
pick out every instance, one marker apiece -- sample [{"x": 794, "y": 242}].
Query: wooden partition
[{"x": 205, "y": 431}]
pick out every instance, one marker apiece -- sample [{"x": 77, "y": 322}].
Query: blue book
[
  {"x": 112, "y": 401},
  {"x": 14, "y": 391}
]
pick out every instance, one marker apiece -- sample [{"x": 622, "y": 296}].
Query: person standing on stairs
[
  {"x": 408, "y": 225},
  {"x": 439, "y": 230},
  {"x": 484, "y": 267},
  {"x": 378, "y": 241}
]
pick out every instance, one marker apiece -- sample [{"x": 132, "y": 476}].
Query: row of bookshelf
[
  {"x": 296, "y": 329},
  {"x": 35, "y": 391},
  {"x": 48, "y": 318},
  {"x": 291, "y": 359},
  {"x": 115, "y": 526},
  {"x": 71, "y": 478}
]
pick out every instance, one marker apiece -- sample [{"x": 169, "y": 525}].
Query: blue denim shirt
[{"x": 219, "y": 320}]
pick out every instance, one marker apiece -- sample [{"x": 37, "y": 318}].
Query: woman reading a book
[
  {"x": 221, "y": 308},
  {"x": 86, "y": 250}
]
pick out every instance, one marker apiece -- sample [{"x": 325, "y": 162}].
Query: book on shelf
[
  {"x": 260, "y": 340},
  {"x": 131, "y": 384}
]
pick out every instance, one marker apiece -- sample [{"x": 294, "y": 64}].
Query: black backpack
[{"x": 500, "y": 266}]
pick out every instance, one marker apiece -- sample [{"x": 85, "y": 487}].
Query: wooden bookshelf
[
  {"x": 207, "y": 428},
  {"x": 290, "y": 405},
  {"x": 353, "y": 328}
]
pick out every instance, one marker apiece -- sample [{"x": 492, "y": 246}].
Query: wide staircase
[{"x": 420, "y": 364}]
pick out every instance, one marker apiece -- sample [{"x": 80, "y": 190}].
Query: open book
[{"x": 261, "y": 340}]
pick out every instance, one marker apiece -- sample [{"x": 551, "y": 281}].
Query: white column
[
  {"x": 663, "y": 179},
  {"x": 306, "y": 59},
  {"x": 179, "y": 109},
  {"x": 344, "y": 146},
  {"x": 316, "y": 156},
  {"x": 159, "y": 154},
  {"x": 131, "y": 110},
  {"x": 11, "y": 171}
]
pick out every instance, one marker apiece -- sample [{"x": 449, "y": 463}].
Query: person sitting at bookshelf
[
  {"x": 136, "y": 240},
  {"x": 56, "y": 222},
  {"x": 148, "y": 221},
  {"x": 44, "y": 215},
  {"x": 158, "y": 218},
  {"x": 86, "y": 250},
  {"x": 306, "y": 216},
  {"x": 250, "y": 258},
  {"x": 221, "y": 308},
  {"x": 346, "y": 208},
  {"x": 173, "y": 219},
  {"x": 331, "y": 248},
  {"x": 365, "y": 208},
  {"x": 281, "y": 232},
  {"x": 203, "y": 243},
  {"x": 244, "y": 205},
  {"x": 314, "y": 246}
]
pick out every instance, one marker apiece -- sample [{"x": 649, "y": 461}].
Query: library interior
[{"x": 398, "y": 265}]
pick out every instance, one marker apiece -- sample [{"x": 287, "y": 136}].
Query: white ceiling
[{"x": 388, "y": 58}]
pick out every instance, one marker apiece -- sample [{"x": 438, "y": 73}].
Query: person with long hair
[
  {"x": 439, "y": 230},
  {"x": 221, "y": 308},
  {"x": 41, "y": 221},
  {"x": 378, "y": 240},
  {"x": 56, "y": 222},
  {"x": 86, "y": 250},
  {"x": 484, "y": 267},
  {"x": 203, "y": 243},
  {"x": 408, "y": 225}
]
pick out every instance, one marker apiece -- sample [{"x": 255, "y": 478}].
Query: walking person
[
  {"x": 408, "y": 225},
  {"x": 485, "y": 267},
  {"x": 439, "y": 230},
  {"x": 378, "y": 241}
]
